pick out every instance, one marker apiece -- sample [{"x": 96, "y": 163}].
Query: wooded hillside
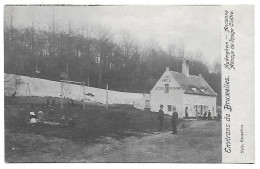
[{"x": 94, "y": 56}]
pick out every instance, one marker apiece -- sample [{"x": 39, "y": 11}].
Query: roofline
[
  {"x": 203, "y": 80},
  {"x": 201, "y": 94},
  {"x": 208, "y": 85},
  {"x": 181, "y": 73}
]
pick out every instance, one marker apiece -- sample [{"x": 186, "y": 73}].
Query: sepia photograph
[{"x": 113, "y": 84}]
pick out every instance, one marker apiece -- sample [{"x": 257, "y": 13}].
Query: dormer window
[
  {"x": 193, "y": 87},
  {"x": 203, "y": 89}
]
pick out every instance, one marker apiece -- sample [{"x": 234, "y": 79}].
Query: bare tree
[
  {"x": 127, "y": 44},
  {"x": 104, "y": 39}
]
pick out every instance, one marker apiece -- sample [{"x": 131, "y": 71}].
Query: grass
[
  {"x": 29, "y": 147},
  {"x": 94, "y": 118},
  {"x": 107, "y": 135},
  {"x": 91, "y": 124}
]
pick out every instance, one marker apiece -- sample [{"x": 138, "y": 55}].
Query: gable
[{"x": 167, "y": 78}]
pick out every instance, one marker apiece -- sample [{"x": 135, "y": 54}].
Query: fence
[{"x": 28, "y": 86}]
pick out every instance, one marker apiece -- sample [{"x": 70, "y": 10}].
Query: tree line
[{"x": 96, "y": 58}]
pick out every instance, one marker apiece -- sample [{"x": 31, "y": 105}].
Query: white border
[{"x": 134, "y": 2}]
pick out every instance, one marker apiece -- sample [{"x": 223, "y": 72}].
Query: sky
[{"x": 193, "y": 27}]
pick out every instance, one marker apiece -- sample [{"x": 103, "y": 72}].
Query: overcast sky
[{"x": 196, "y": 27}]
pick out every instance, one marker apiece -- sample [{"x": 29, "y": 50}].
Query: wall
[
  {"x": 171, "y": 98},
  {"x": 190, "y": 100},
  {"x": 28, "y": 86},
  {"x": 174, "y": 97},
  {"x": 140, "y": 103}
]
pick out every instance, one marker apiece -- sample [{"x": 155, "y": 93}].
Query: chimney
[
  {"x": 186, "y": 68},
  {"x": 200, "y": 75},
  {"x": 167, "y": 69}
]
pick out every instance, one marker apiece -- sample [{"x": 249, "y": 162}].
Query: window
[
  {"x": 196, "y": 108},
  {"x": 147, "y": 103},
  {"x": 169, "y": 108},
  {"x": 166, "y": 88},
  {"x": 203, "y": 90},
  {"x": 194, "y": 89}
]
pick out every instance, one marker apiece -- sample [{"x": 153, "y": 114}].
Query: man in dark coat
[
  {"x": 174, "y": 120},
  {"x": 209, "y": 115},
  {"x": 161, "y": 117}
]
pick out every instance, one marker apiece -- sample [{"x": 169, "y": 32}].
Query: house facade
[{"x": 191, "y": 94}]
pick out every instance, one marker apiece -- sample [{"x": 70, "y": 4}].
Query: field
[{"x": 118, "y": 134}]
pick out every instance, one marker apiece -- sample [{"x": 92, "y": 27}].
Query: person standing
[
  {"x": 40, "y": 116},
  {"x": 209, "y": 115},
  {"x": 161, "y": 117},
  {"x": 174, "y": 120},
  {"x": 218, "y": 116},
  {"x": 32, "y": 118}
]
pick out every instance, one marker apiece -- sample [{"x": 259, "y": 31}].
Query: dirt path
[{"x": 200, "y": 142}]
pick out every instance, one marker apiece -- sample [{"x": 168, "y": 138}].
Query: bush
[{"x": 185, "y": 124}]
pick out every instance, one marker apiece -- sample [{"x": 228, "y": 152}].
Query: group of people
[
  {"x": 206, "y": 115},
  {"x": 41, "y": 117},
  {"x": 34, "y": 119},
  {"x": 173, "y": 119}
]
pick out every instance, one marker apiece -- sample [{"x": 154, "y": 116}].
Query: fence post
[
  {"x": 28, "y": 91},
  {"x": 107, "y": 98},
  {"x": 61, "y": 96},
  {"x": 84, "y": 104}
]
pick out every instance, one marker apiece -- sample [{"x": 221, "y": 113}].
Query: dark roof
[{"x": 193, "y": 82}]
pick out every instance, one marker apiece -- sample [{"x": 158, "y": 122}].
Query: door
[{"x": 186, "y": 112}]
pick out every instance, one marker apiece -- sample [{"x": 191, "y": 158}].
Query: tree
[
  {"x": 93, "y": 56},
  {"x": 103, "y": 46}
]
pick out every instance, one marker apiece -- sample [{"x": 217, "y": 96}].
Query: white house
[{"x": 190, "y": 94}]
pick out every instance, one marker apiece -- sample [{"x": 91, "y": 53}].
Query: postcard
[{"x": 129, "y": 83}]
